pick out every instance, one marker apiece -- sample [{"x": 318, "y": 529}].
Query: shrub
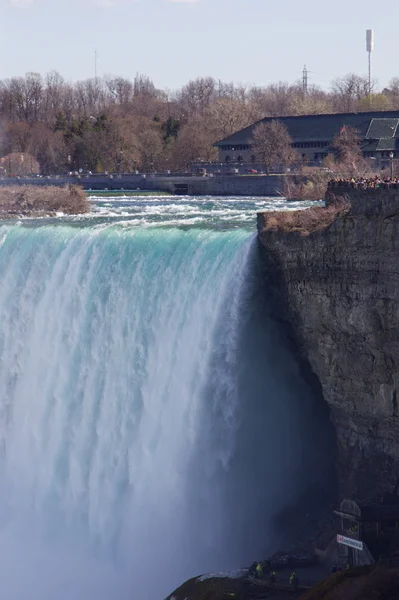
[
  {"x": 305, "y": 221},
  {"x": 42, "y": 200}
]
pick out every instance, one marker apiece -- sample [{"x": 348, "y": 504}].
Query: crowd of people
[{"x": 366, "y": 183}]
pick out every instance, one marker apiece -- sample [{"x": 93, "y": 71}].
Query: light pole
[{"x": 391, "y": 165}]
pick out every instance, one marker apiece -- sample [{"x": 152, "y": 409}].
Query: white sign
[{"x": 341, "y": 539}]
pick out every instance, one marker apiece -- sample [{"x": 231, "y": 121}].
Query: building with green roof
[{"x": 312, "y": 135}]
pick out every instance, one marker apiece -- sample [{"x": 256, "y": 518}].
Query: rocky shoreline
[{"x": 43, "y": 201}]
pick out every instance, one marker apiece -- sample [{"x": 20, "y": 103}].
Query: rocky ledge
[
  {"x": 238, "y": 586},
  {"x": 366, "y": 583},
  {"x": 42, "y": 201},
  {"x": 333, "y": 280}
]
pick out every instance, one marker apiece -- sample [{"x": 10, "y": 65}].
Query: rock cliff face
[{"x": 337, "y": 290}]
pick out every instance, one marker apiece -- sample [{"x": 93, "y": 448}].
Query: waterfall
[{"x": 150, "y": 424}]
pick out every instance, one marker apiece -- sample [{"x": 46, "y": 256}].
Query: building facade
[{"x": 312, "y": 135}]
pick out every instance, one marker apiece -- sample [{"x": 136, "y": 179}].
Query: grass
[{"x": 34, "y": 200}]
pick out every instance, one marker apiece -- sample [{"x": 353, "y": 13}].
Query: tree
[
  {"x": 196, "y": 97},
  {"x": 18, "y": 136},
  {"x": 194, "y": 143},
  {"x": 150, "y": 146},
  {"x": 122, "y": 152},
  {"x": 346, "y": 144},
  {"x": 227, "y": 115},
  {"x": 349, "y": 161},
  {"x": 49, "y": 149},
  {"x": 18, "y": 163},
  {"x": 348, "y": 91},
  {"x": 392, "y": 93},
  {"x": 170, "y": 128},
  {"x": 272, "y": 144},
  {"x": 375, "y": 102}
]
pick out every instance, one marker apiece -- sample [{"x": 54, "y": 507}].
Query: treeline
[{"x": 113, "y": 124}]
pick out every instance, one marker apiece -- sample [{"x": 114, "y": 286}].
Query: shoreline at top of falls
[{"x": 47, "y": 201}]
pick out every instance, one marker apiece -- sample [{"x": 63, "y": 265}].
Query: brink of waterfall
[{"x": 150, "y": 412}]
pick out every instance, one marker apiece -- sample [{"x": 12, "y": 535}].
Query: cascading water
[{"x": 150, "y": 424}]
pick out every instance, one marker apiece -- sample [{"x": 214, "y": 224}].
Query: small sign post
[{"x": 356, "y": 544}]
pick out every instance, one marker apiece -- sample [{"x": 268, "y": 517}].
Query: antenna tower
[
  {"x": 369, "y": 48},
  {"x": 305, "y": 81}
]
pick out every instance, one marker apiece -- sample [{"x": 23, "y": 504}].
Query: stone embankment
[
  {"x": 333, "y": 279},
  {"x": 224, "y": 185}
]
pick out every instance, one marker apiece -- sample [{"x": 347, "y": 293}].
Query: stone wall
[
  {"x": 258, "y": 185},
  {"x": 378, "y": 202},
  {"x": 338, "y": 291}
]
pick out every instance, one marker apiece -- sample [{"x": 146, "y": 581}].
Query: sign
[{"x": 341, "y": 539}]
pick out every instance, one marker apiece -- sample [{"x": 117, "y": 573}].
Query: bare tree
[
  {"x": 194, "y": 143},
  {"x": 49, "y": 149},
  {"x": 349, "y": 161},
  {"x": 196, "y": 97},
  {"x": 347, "y": 91},
  {"x": 227, "y": 115},
  {"x": 18, "y": 136},
  {"x": 392, "y": 93},
  {"x": 346, "y": 143},
  {"x": 150, "y": 146},
  {"x": 120, "y": 90},
  {"x": 272, "y": 145},
  {"x": 100, "y": 120},
  {"x": 274, "y": 100}
]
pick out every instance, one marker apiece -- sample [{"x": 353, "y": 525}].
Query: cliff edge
[{"x": 333, "y": 279}]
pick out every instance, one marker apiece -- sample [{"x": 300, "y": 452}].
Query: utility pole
[
  {"x": 369, "y": 48},
  {"x": 95, "y": 65},
  {"x": 305, "y": 81}
]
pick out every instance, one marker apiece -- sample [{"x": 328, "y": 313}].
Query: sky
[{"x": 252, "y": 42}]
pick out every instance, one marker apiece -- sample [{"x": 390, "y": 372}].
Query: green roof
[
  {"x": 369, "y": 146},
  {"x": 385, "y": 144},
  {"x": 382, "y": 128},
  {"x": 326, "y": 127}
]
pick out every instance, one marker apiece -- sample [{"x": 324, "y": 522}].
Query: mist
[{"x": 153, "y": 420}]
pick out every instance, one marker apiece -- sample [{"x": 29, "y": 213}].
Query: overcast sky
[{"x": 173, "y": 41}]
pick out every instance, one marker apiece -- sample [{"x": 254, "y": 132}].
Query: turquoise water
[
  {"x": 205, "y": 212},
  {"x": 142, "y": 396}
]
